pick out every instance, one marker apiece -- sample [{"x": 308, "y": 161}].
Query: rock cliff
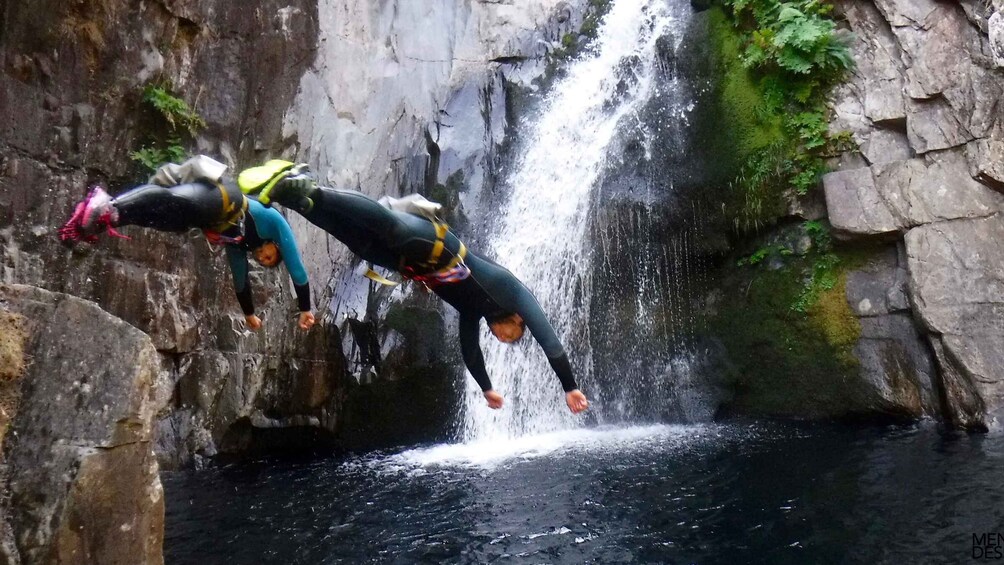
[
  {"x": 79, "y": 489},
  {"x": 923, "y": 107}
]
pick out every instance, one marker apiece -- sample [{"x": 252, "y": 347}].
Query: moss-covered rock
[{"x": 791, "y": 336}]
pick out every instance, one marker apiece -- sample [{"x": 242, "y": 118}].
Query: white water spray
[{"x": 541, "y": 233}]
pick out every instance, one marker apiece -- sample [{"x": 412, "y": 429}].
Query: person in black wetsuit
[
  {"x": 427, "y": 252},
  {"x": 217, "y": 207}
]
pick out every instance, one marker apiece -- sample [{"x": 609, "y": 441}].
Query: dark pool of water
[{"x": 763, "y": 493}]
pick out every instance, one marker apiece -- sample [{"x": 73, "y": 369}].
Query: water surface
[{"x": 763, "y": 493}]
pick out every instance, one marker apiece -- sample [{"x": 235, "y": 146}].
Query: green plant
[
  {"x": 822, "y": 276},
  {"x": 165, "y": 140},
  {"x": 792, "y": 53},
  {"x": 154, "y": 157},
  {"x": 176, "y": 111},
  {"x": 820, "y": 234}
]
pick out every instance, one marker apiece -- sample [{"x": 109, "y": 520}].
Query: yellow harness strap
[
  {"x": 377, "y": 277},
  {"x": 231, "y": 211},
  {"x": 437, "y": 248},
  {"x": 457, "y": 259}
]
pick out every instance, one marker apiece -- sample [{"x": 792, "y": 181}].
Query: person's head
[
  {"x": 267, "y": 254},
  {"x": 508, "y": 328}
]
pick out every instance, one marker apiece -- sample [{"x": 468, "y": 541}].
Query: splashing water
[{"x": 542, "y": 230}]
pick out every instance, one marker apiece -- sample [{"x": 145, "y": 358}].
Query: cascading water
[{"x": 542, "y": 234}]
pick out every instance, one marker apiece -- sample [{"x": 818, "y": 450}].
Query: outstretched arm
[
  {"x": 529, "y": 309},
  {"x": 531, "y": 312},
  {"x": 473, "y": 358},
  {"x": 271, "y": 222},
  {"x": 238, "y": 260}
]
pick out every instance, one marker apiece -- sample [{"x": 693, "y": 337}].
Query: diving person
[
  {"x": 424, "y": 250},
  {"x": 195, "y": 195}
]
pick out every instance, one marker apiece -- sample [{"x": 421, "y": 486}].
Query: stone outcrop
[
  {"x": 923, "y": 105},
  {"x": 894, "y": 360},
  {"x": 79, "y": 472}
]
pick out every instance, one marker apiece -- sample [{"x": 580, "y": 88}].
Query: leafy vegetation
[
  {"x": 780, "y": 60},
  {"x": 819, "y": 267},
  {"x": 176, "y": 111},
  {"x": 178, "y": 121}
]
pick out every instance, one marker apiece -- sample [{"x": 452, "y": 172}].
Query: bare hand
[
  {"x": 307, "y": 320},
  {"x": 576, "y": 401},
  {"x": 494, "y": 399},
  {"x": 254, "y": 322}
]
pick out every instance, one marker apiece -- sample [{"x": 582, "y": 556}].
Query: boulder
[
  {"x": 897, "y": 367},
  {"x": 934, "y": 188},
  {"x": 83, "y": 479}
]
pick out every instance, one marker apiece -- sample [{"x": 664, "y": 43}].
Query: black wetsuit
[
  {"x": 201, "y": 205},
  {"x": 402, "y": 242},
  {"x": 176, "y": 209}
]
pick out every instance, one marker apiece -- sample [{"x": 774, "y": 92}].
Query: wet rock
[
  {"x": 879, "y": 287},
  {"x": 897, "y": 365},
  {"x": 83, "y": 479}
]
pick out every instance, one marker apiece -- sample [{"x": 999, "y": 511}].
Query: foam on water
[{"x": 489, "y": 454}]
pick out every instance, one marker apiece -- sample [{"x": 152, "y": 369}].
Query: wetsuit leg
[
  {"x": 176, "y": 209},
  {"x": 333, "y": 207},
  {"x": 369, "y": 229}
]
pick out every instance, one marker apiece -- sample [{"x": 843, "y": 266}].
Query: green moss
[
  {"x": 752, "y": 127},
  {"x": 834, "y": 319},
  {"x": 775, "y": 115},
  {"x": 788, "y": 362},
  {"x": 755, "y": 139}
]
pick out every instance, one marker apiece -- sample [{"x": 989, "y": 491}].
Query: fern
[
  {"x": 180, "y": 119},
  {"x": 795, "y": 52}
]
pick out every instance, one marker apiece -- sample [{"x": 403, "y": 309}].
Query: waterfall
[{"x": 542, "y": 233}]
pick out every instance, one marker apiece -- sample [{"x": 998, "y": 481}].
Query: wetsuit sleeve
[
  {"x": 286, "y": 241},
  {"x": 471, "y": 350},
  {"x": 529, "y": 309},
  {"x": 238, "y": 260}
]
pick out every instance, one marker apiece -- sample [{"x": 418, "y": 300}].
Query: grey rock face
[
  {"x": 76, "y": 121},
  {"x": 83, "y": 478},
  {"x": 929, "y": 70},
  {"x": 855, "y": 204},
  {"x": 957, "y": 287},
  {"x": 894, "y": 357}
]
